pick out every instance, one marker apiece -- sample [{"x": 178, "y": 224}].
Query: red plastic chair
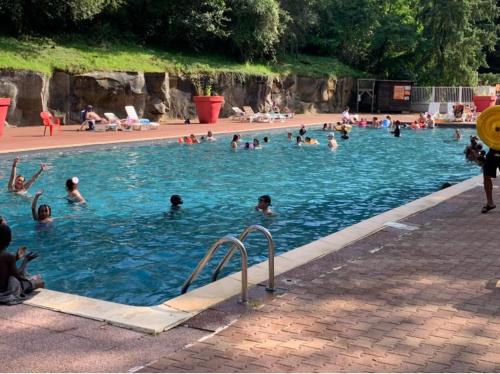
[{"x": 48, "y": 121}]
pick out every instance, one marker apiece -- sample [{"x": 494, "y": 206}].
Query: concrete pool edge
[{"x": 175, "y": 311}]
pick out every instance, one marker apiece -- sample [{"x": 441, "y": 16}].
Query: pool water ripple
[{"x": 126, "y": 246}]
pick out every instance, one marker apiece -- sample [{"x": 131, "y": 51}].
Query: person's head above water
[
  {"x": 235, "y": 138},
  {"x": 331, "y": 135},
  {"x": 5, "y": 236},
  {"x": 72, "y": 184},
  {"x": 266, "y": 139},
  {"x": 264, "y": 202},
  {"x": 44, "y": 212},
  {"x": 19, "y": 182},
  {"x": 176, "y": 200}
]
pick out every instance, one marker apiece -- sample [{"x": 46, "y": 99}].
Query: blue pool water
[{"x": 124, "y": 247}]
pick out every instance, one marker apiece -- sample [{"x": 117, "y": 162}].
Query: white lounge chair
[
  {"x": 433, "y": 110},
  {"x": 137, "y": 123},
  {"x": 238, "y": 113},
  {"x": 121, "y": 124},
  {"x": 257, "y": 117}
]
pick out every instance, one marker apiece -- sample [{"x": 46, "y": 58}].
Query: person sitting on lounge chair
[{"x": 91, "y": 118}]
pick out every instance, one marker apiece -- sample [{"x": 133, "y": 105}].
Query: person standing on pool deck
[
  {"x": 16, "y": 182},
  {"x": 490, "y": 171},
  {"x": 263, "y": 205}
]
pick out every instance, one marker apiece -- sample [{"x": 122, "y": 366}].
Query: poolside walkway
[
  {"x": 31, "y": 138},
  {"x": 396, "y": 301}
]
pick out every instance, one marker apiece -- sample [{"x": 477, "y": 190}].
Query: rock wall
[{"x": 160, "y": 96}]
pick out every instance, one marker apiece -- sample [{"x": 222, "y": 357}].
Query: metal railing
[
  {"x": 425, "y": 95},
  {"x": 244, "y": 264},
  {"x": 270, "y": 246}
]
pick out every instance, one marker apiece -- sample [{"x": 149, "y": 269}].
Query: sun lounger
[
  {"x": 256, "y": 117},
  {"x": 139, "y": 123},
  {"x": 434, "y": 109},
  {"x": 238, "y": 113}
]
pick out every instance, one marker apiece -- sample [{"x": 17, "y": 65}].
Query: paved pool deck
[
  {"x": 424, "y": 297},
  {"x": 29, "y": 138}
]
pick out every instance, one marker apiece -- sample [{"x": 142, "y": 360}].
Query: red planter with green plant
[
  {"x": 4, "y": 107},
  {"x": 208, "y": 108}
]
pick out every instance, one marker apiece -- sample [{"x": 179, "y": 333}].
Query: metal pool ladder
[{"x": 237, "y": 244}]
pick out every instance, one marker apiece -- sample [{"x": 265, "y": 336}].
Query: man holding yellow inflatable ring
[{"x": 488, "y": 129}]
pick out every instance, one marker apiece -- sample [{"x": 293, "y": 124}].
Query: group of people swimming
[
  {"x": 193, "y": 139},
  {"x": 15, "y": 283}
]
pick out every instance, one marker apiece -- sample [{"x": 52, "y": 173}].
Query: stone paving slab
[{"x": 424, "y": 300}]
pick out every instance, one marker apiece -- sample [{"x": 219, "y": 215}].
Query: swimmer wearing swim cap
[{"x": 74, "y": 195}]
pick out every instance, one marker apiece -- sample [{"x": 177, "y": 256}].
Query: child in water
[
  {"x": 74, "y": 196},
  {"x": 332, "y": 143},
  {"x": 263, "y": 205},
  {"x": 43, "y": 214}
]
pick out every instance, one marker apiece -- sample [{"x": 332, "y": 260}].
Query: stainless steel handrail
[
  {"x": 244, "y": 264},
  {"x": 270, "y": 246}
]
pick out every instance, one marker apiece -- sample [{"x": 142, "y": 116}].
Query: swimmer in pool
[
  {"x": 302, "y": 130},
  {"x": 263, "y": 205},
  {"x": 298, "y": 142},
  {"x": 176, "y": 201},
  {"x": 311, "y": 141},
  {"x": 266, "y": 139},
  {"x": 234, "y": 142},
  {"x": 43, "y": 214},
  {"x": 332, "y": 143},
  {"x": 210, "y": 137},
  {"x": 74, "y": 196},
  {"x": 17, "y": 183},
  {"x": 458, "y": 135},
  {"x": 289, "y": 135},
  {"x": 256, "y": 144}
]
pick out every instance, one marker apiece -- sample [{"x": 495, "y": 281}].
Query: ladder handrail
[
  {"x": 244, "y": 264},
  {"x": 243, "y": 236}
]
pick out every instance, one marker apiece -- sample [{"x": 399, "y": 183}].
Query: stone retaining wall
[{"x": 160, "y": 96}]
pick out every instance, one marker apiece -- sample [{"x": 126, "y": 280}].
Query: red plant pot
[
  {"x": 208, "y": 108},
  {"x": 4, "y": 107},
  {"x": 483, "y": 102}
]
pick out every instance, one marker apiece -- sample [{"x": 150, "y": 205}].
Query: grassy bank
[{"x": 45, "y": 55}]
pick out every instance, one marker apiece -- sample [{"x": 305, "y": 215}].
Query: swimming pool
[{"x": 125, "y": 246}]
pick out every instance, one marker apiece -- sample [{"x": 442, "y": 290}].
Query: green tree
[
  {"x": 256, "y": 27},
  {"x": 26, "y": 16},
  {"x": 457, "y": 34}
]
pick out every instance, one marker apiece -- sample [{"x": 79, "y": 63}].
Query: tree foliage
[{"x": 431, "y": 41}]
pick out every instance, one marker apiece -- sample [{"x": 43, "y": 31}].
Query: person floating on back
[
  {"x": 42, "y": 214},
  {"x": 15, "y": 283},
  {"x": 17, "y": 182}
]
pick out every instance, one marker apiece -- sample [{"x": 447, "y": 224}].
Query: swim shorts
[{"x": 492, "y": 163}]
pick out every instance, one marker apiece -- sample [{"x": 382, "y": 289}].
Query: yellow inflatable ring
[
  {"x": 488, "y": 127},
  {"x": 347, "y": 127}
]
